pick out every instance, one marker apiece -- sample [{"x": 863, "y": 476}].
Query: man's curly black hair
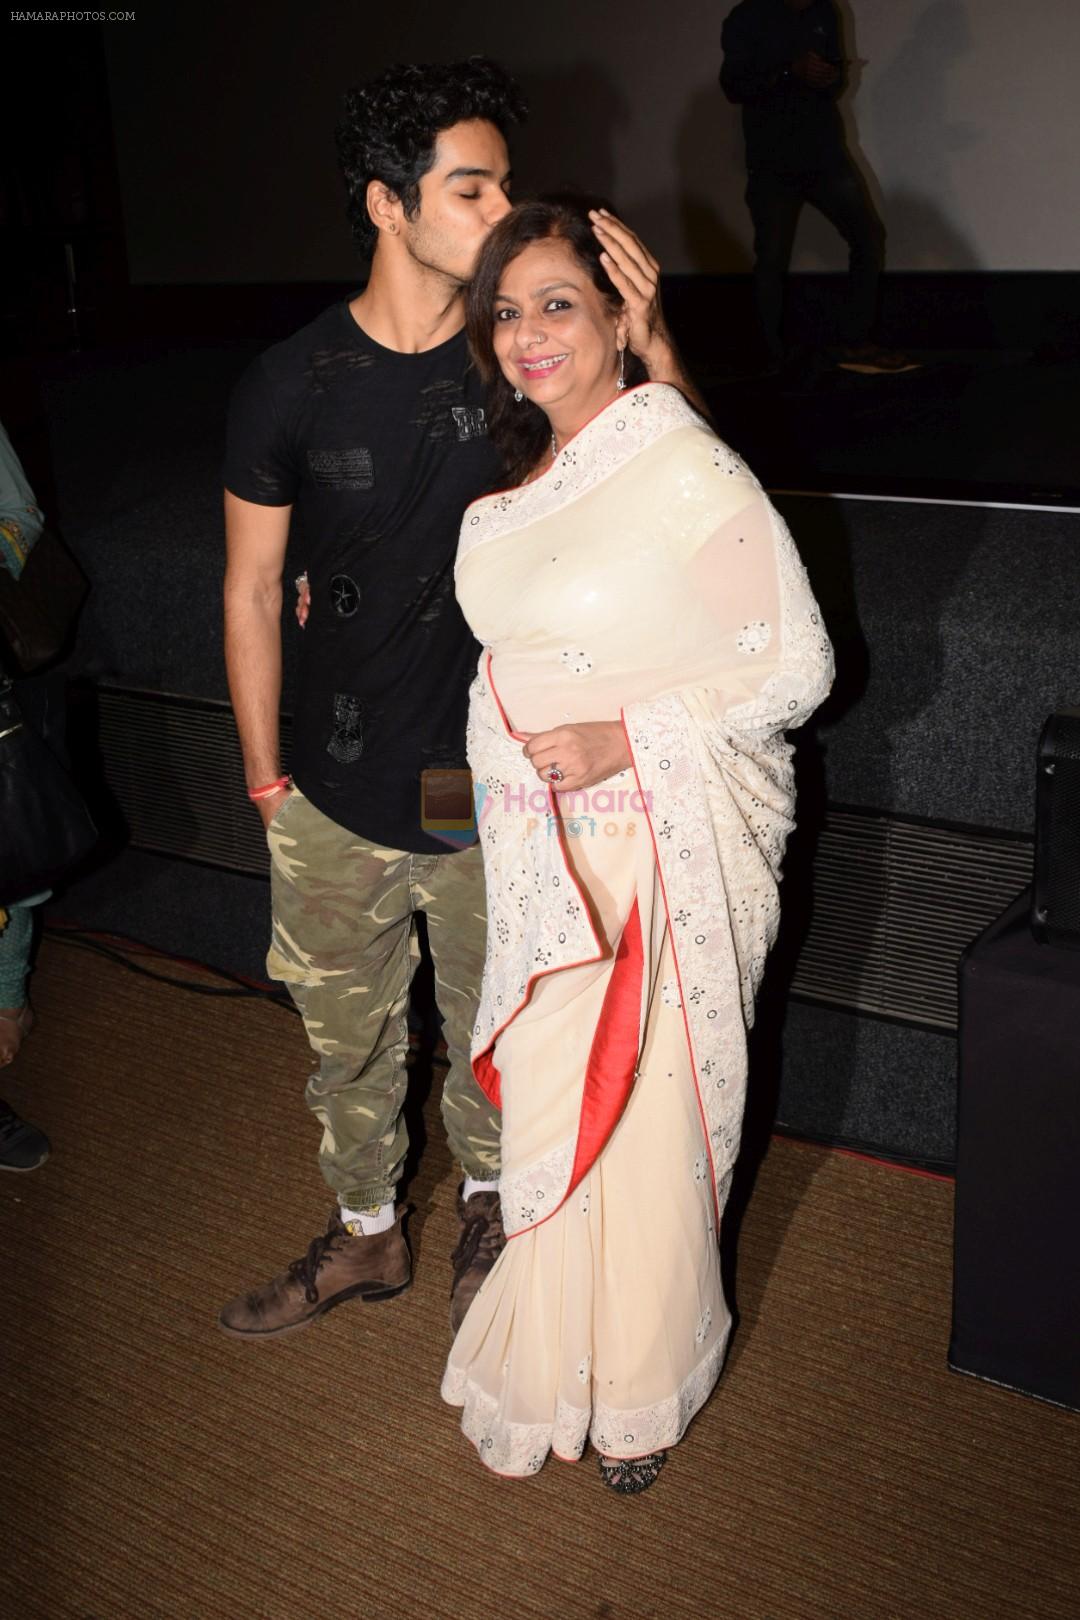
[{"x": 390, "y": 126}]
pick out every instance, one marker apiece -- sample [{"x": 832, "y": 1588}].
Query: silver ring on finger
[{"x": 554, "y": 774}]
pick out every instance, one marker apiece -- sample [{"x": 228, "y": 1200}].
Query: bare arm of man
[{"x": 255, "y": 541}]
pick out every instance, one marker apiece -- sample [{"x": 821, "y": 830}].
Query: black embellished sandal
[{"x": 629, "y": 1475}]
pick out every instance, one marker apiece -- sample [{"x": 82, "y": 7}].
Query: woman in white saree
[{"x": 648, "y": 635}]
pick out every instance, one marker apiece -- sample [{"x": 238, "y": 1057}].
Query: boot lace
[
  {"x": 482, "y": 1239},
  {"x": 307, "y": 1268}
]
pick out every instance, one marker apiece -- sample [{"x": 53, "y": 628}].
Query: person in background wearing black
[
  {"x": 784, "y": 65},
  {"x": 371, "y": 421}
]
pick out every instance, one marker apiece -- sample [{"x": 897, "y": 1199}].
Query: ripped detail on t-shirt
[{"x": 347, "y": 738}]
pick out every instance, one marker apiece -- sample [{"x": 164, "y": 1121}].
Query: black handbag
[
  {"x": 45, "y": 827},
  {"x": 38, "y": 610}
]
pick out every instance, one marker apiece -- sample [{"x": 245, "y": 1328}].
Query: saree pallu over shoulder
[
  {"x": 603, "y": 447},
  {"x": 647, "y": 567}
]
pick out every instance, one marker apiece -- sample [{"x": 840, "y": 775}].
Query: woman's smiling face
[{"x": 556, "y": 337}]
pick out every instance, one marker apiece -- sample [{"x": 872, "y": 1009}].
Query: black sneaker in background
[{"x": 22, "y": 1146}]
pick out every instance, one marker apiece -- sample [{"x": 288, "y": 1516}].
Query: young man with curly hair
[{"x": 370, "y": 422}]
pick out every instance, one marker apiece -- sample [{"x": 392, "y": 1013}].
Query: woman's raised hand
[{"x": 635, "y": 275}]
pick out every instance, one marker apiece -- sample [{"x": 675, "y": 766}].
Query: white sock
[
  {"x": 473, "y": 1186},
  {"x": 367, "y": 1222}
]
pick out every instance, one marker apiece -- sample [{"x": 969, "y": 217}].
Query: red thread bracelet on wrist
[{"x": 270, "y": 789}]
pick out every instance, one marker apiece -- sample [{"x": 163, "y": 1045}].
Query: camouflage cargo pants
[{"x": 344, "y": 942}]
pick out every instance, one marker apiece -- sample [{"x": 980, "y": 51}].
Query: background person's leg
[
  {"x": 774, "y": 202},
  {"x": 22, "y": 1146},
  {"x": 842, "y": 197},
  {"x": 16, "y": 936}
]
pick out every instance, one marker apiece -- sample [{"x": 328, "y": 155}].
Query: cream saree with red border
[{"x": 644, "y": 576}]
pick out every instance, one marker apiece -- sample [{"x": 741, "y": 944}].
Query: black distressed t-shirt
[{"x": 380, "y": 452}]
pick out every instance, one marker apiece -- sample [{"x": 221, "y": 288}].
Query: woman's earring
[
  {"x": 518, "y": 395},
  {"x": 622, "y": 369}
]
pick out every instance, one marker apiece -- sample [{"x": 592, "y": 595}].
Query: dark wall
[
  {"x": 961, "y": 116},
  {"x": 193, "y": 148}
]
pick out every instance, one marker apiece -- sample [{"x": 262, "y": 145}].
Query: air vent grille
[
  {"x": 174, "y": 767},
  {"x": 895, "y": 902}
]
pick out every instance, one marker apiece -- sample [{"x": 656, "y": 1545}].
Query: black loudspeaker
[
  {"x": 1055, "y": 907},
  {"x": 1016, "y": 1303}
]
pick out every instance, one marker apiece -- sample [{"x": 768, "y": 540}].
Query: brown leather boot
[
  {"x": 480, "y": 1243},
  {"x": 337, "y": 1267}
]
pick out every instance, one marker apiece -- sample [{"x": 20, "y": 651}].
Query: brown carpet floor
[{"x": 152, "y": 1467}]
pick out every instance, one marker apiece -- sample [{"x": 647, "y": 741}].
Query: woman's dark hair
[
  {"x": 390, "y": 127},
  {"x": 518, "y": 428}
]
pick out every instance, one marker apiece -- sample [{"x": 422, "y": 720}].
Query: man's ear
[{"x": 384, "y": 207}]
